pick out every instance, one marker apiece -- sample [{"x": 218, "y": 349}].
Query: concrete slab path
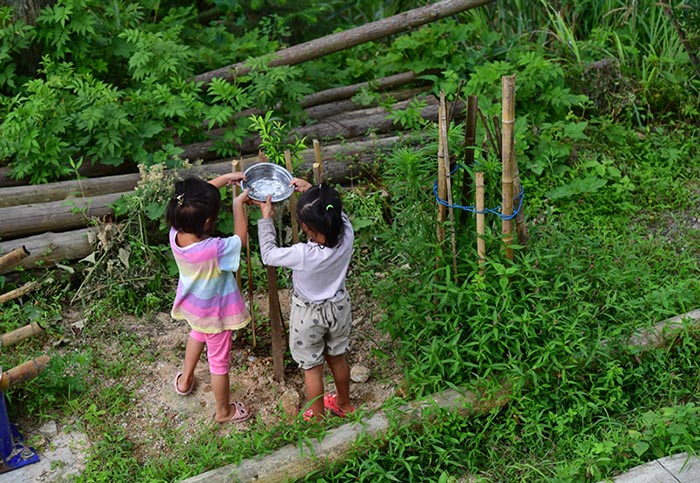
[{"x": 671, "y": 469}]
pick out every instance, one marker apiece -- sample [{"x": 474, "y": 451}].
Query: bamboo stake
[
  {"x": 236, "y": 166},
  {"x": 318, "y": 165},
  {"x": 488, "y": 134},
  {"x": 498, "y": 135},
  {"x": 508, "y": 120},
  {"x": 18, "y": 292},
  {"x": 292, "y": 199},
  {"x": 520, "y": 225},
  {"x": 480, "y": 220},
  {"x": 251, "y": 299},
  {"x": 444, "y": 126},
  {"x": 469, "y": 148},
  {"x": 442, "y": 190},
  {"x": 18, "y": 335},
  {"x": 276, "y": 325},
  {"x": 13, "y": 257},
  {"x": 23, "y": 372}
]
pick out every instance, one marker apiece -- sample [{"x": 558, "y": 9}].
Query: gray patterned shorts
[{"x": 318, "y": 329}]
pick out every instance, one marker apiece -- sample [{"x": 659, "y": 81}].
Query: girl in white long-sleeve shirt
[{"x": 320, "y": 319}]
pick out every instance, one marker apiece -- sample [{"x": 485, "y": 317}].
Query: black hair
[
  {"x": 195, "y": 201},
  {"x": 321, "y": 208}
]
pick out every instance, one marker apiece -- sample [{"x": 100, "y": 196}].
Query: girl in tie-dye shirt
[{"x": 207, "y": 296}]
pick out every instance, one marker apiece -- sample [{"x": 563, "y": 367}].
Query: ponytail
[{"x": 321, "y": 208}]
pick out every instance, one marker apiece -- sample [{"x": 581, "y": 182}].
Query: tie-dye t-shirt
[{"x": 207, "y": 295}]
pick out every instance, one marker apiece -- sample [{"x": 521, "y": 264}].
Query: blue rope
[{"x": 494, "y": 211}]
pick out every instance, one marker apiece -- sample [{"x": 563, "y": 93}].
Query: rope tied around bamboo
[{"x": 517, "y": 202}]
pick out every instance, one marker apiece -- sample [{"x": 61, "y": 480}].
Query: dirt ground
[{"x": 156, "y": 411}]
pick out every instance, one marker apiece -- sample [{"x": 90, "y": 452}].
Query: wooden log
[
  {"x": 344, "y": 40},
  {"x": 338, "y": 108},
  {"x": 18, "y": 335},
  {"x": 292, "y": 462},
  {"x": 23, "y": 372},
  {"x": 87, "y": 170},
  {"x": 355, "y": 154},
  {"x": 351, "y": 125},
  {"x": 335, "y": 101},
  {"x": 50, "y": 248},
  {"x": 345, "y": 92},
  {"x": 18, "y": 292},
  {"x": 16, "y": 221},
  {"x": 60, "y": 190},
  {"x": 507, "y": 154},
  {"x": 13, "y": 257}
]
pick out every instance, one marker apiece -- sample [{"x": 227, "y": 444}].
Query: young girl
[
  {"x": 320, "y": 320},
  {"x": 207, "y": 296}
]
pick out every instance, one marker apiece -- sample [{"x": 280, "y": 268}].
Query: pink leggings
[{"x": 218, "y": 350}]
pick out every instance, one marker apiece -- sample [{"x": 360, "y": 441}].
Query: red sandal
[{"x": 330, "y": 403}]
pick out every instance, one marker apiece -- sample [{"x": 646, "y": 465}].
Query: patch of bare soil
[{"x": 155, "y": 411}]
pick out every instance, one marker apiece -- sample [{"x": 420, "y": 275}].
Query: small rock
[
  {"x": 290, "y": 402},
  {"x": 49, "y": 429},
  {"x": 359, "y": 373}
]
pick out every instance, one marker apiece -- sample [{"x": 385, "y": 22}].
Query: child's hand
[
  {"x": 235, "y": 178},
  {"x": 266, "y": 208},
  {"x": 243, "y": 197},
  {"x": 300, "y": 185}
]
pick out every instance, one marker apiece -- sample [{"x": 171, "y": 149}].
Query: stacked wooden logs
[{"x": 53, "y": 220}]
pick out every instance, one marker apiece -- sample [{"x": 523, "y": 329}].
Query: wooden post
[
  {"x": 480, "y": 220},
  {"x": 508, "y": 120},
  {"x": 443, "y": 129},
  {"x": 13, "y": 257},
  {"x": 277, "y": 330},
  {"x": 23, "y": 372},
  {"x": 18, "y": 335},
  {"x": 251, "y": 298},
  {"x": 318, "y": 164},
  {"x": 18, "y": 292},
  {"x": 520, "y": 225},
  {"x": 442, "y": 191},
  {"x": 469, "y": 148},
  {"x": 292, "y": 199}
]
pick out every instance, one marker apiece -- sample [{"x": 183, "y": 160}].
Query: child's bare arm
[
  {"x": 240, "y": 221},
  {"x": 228, "y": 179}
]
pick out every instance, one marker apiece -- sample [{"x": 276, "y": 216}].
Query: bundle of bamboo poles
[{"x": 502, "y": 139}]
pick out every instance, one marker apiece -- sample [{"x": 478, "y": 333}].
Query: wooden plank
[{"x": 344, "y": 40}]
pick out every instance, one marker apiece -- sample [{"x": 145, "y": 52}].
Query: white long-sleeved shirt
[{"x": 318, "y": 272}]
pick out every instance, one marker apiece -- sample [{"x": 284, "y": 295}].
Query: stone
[
  {"x": 289, "y": 401},
  {"x": 359, "y": 373}
]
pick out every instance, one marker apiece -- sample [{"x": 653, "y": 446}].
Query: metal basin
[{"x": 265, "y": 179}]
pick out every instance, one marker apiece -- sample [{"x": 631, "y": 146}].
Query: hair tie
[
  {"x": 329, "y": 207},
  {"x": 180, "y": 199}
]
